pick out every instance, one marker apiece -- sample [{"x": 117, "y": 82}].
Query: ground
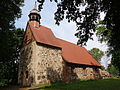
[{"x": 106, "y": 84}]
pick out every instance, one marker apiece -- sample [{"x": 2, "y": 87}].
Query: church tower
[
  {"x": 34, "y": 16},
  {"x": 26, "y": 75},
  {"x": 40, "y": 57}
]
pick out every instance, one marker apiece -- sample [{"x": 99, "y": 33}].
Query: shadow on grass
[
  {"x": 106, "y": 84},
  {"x": 62, "y": 86}
]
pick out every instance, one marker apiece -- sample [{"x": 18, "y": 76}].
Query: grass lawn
[{"x": 106, "y": 84}]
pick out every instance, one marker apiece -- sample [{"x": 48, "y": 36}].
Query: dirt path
[{"x": 17, "y": 88}]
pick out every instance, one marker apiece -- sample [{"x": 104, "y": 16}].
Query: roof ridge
[
  {"x": 69, "y": 42},
  {"x": 45, "y": 27}
]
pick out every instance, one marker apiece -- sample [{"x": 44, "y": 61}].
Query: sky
[{"x": 64, "y": 31}]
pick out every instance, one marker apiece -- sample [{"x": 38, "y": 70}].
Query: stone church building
[{"x": 47, "y": 59}]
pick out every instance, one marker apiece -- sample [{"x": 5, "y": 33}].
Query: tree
[
  {"x": 105, "y": 35},
  {"x": 9, "y": 54},
  {"x": 86, "y": 19},
  {"x": 9, "y": 11},
  {"x": 102, "y": 32},
  {"x": 10, "y": 40},
  {"x": 96, "y": 53},
  {"x": 112, "y": 70}
]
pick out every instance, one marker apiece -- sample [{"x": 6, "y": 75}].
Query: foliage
[
  {"x": 72, "y": 10},
  {"x": 106, "y": 84},
  {"x": 9, "y": 11},
  {"x": 112, "y": 70},
  {"x": 102, "y": 32},
  {"x": 96, "y": 53},
  {"x": 4, "y": 82},
  {"x": 105, "y": 35},
  {"x": 103, "y": 68},
  {"x": 85, "y": 19},
  {"x": 9, "y": 54},
  {"x": 116, "y": 59},
  {"x": 10, "y": 40}
]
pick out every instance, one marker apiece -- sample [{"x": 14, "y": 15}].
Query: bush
[{"x": 4, "y": 82}]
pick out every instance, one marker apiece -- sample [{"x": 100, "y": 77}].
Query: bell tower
[{"x": 34, "y": 16}]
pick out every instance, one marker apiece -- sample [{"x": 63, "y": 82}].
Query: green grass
[{"x": 106, "y": 84}]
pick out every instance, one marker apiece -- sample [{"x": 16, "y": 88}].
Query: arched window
[
  {"x": 33, "y": 17},
  {"x": 37, "y": 18}
]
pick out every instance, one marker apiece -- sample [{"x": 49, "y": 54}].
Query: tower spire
[
  {"x": 34, "y": 16},
  {"x": 35, "y": 6}
]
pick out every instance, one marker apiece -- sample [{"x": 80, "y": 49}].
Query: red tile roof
[
  {"x": 76, "y": 54},
  {"x": 71, "y": 53},
  {"x": 44, "y": 35}
]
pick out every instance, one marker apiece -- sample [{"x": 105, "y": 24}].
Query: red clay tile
[{"x": 71, "y": 53}]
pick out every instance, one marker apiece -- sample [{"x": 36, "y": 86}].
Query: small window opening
[
  {"x": 26, "y": 74},
  {"x": 84, "y": 71}
]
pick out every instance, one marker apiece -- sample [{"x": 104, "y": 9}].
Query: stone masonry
[
  {"x": 43, "y": 66},
  {"x": 75, "y": 72},
  {"x": 46, "y": 65}
]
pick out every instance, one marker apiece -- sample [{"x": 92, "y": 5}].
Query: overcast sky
[{"x": 64, "y": 31}]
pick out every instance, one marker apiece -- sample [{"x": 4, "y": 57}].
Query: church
[{"x": 46, "y": 59}]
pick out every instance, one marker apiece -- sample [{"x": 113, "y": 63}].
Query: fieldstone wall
[
  {"x": 26, "y": 74},
  {"x": 104, "y": 74},
  {"x": 43, "y": 66},
  {"x": 49, "y": 65},
  {"x": 86, "y": 73},
  {"x": 82, "y": 73}
]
